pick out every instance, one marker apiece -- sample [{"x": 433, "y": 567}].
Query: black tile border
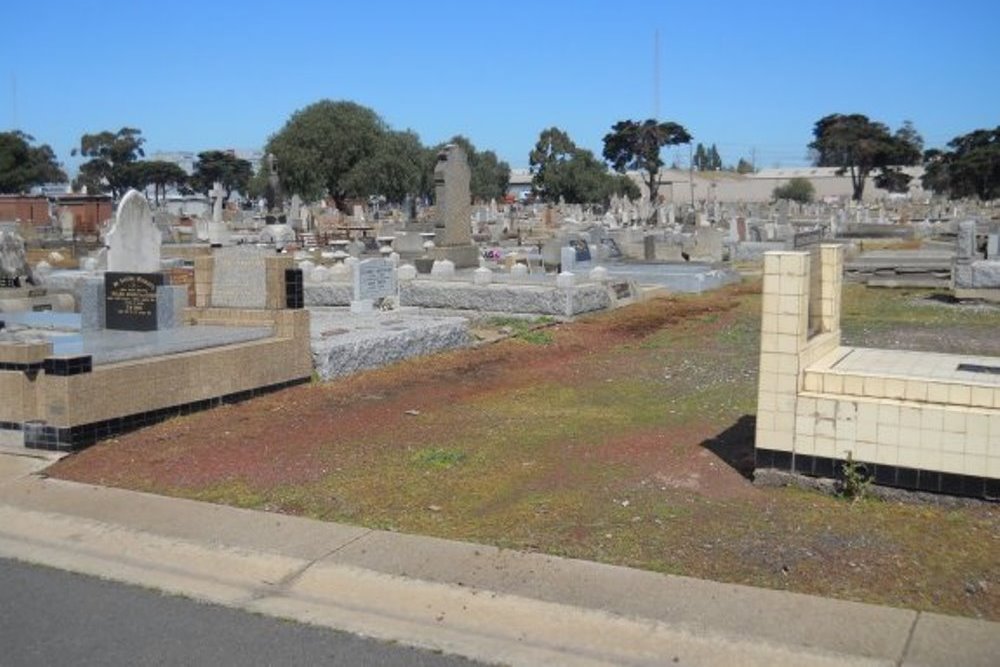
[
  {"x": 912, "y": 479},
  {"x": 38, "y": 435},
  {"x": 66, "y": 366},
  {"x": 23, "y": 368},
  {"x": 294, "y": 289}
]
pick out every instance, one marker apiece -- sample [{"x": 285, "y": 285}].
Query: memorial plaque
[
  {"x": 130, "y": 300},
  {"x": 374, "y": 279}
]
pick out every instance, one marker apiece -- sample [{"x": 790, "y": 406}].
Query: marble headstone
[{"x": 133, "y": 241}]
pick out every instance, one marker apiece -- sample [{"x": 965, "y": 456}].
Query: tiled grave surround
[
  {"x": 66, "y": 403},
  {"x": 915, "y": 420}
]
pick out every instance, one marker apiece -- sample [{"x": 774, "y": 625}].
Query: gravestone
[
  {"x": 14, "y": 268},
  {"x": 966, "y": 241},
  {"x": 136, "y": 296},
  {"x": 582, "y": 249},
  {"x": 218, "y": 193},
  {"x": 272, "y": 194},
  {"x": 374, "y": 280},
  {"x": 452, "y": 198},
  {"x": 67, "y": 224},
  {"x": 133, "y": 241},
  {"x": 218, "y": 233},
  {"x": 130, "y": 300},
  {"x": 567, "y": 258},
  {"x": 294, "y": 211},
  {"x": 239, "y": 277}
]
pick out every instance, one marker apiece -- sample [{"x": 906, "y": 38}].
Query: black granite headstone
[
  {"x": 582, "y": 249},
  {"x": 130, "y": 300}
]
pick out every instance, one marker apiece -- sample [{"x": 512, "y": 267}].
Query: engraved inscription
[{"x": 130, "y": 300}]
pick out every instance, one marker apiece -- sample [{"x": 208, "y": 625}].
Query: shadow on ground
[{"x": 735, "y": 445}]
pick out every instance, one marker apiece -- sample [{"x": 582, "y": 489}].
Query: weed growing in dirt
[
  {"x": 535, "y": 337},
  {"x": 856, "y": 479},
  {"x": 439, "y": 458}
]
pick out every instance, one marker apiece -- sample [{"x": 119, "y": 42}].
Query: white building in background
[
  {"x": 725, "y": 186},
  {"x": 187, "y": 159}
]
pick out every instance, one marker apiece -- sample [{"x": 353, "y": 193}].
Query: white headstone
[
  {"x": 373, "y": 279},
  {"x": 565, "y": 280},
  {"x": 218, "y": 193},
  {"x": 482, "y": 276},
  {"x": 133, "y": 241},
  {"x": 567, "y": 258},
  {"x": 598, "y": 274},
  {"x": 406, "y": 272},
  {"x": 443, "y": 268},
  {"x": 67, "y": 224},
  {"x": 320, "y": 274},
  {"x": 518, "y": 272}
]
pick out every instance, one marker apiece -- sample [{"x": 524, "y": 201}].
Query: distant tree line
[{"x": 347, "y": 151}]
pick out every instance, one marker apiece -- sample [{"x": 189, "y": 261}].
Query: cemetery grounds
[{"x": 623, "y": 437}]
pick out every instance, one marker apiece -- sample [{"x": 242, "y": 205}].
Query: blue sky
[{"x": 748, "y": 76}]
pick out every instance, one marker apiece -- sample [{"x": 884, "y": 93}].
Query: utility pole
[
  {"x": 656, "y": 75},
  {"x": 13, "y": 101},
  {"x": 691, "y": 171}
]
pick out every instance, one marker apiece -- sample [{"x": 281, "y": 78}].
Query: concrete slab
[
  {"x": 108, "y": 346},
  {"x": 479, "y": 601},
  {"x": 948, "y": 640}
]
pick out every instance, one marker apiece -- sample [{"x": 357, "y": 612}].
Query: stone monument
[
  {"x": 454, "y": 205},
  {"x": 136, "y": 294},
  {"x": 133, "y": 241},
  {"x": 14, "y": 269},
  {"x": 273, "y": 194},
  {"x": 218, "y": 233}
]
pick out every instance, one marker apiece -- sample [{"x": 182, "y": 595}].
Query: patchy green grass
[
  {"x": 438, "y": 458},
  {"x": 625, "y": 439}
]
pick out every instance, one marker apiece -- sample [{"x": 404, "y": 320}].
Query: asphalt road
[{"x": 49, "y": 617}]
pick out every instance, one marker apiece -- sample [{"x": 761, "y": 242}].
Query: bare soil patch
[{"x": 624, "y": 437}]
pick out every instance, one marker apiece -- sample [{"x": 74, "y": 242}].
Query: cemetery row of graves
[{"x": 654, "y": 360}]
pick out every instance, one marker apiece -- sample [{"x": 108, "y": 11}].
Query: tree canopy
[
  {"x": 320, "y": 145},
  {"x": 560, "y": 169},
  {"x": 110, "y": 156},
  {"x": 707, "y": 160},
  {"x": 158, "y": 173},
  {"x": 23, "y": 166},
  {"x": 796, "y": 189},
  {"x": 636, "y": 145},
  {"x": 393, "y": 170},
  {"x": 970, "y": 168},
  {"x": 744, "y": 167},
  {"x": 223, "y": 167},
  {"x": 859, "y": 146}
]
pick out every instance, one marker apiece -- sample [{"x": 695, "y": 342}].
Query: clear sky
[{"x": 746, "y": 75}]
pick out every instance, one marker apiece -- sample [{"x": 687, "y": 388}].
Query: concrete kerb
[{"x": 479, "y": 601}]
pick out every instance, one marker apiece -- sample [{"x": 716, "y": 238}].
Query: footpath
[{"x": 492, "y": 605}]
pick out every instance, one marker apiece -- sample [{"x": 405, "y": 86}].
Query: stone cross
[
  {"x": 133, "y": 241},
  {"x": 219, "y": 193},
  {"x": 452, "y": 195}
]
